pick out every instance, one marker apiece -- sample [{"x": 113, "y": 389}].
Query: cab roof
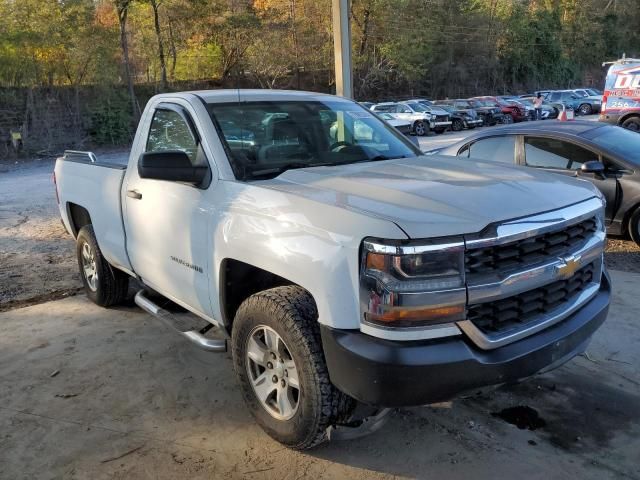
[{"x": 253, "y": 95}]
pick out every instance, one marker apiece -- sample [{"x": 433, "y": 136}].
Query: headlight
[{"x": 412, "y": 286}]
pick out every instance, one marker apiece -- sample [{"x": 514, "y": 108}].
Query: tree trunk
[
  {"x": 365, "y": 31},
  {"x": 123, "y": 11},
  {"x": 174, "y": 53},
  {"x": 163, "y": 66}
]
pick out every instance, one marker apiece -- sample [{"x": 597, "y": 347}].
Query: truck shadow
[{"x": 570, "y": 412}]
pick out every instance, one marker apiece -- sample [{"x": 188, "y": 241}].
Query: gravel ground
[{"x": 622, "y": 255}]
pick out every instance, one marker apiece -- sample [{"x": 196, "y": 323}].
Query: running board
[{"x": 186, "y": 329}]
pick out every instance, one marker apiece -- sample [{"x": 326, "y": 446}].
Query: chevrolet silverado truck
[{"x": 347, "y": 273}]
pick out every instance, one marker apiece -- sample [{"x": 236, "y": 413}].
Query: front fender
[{"x": 311, "y": 244}]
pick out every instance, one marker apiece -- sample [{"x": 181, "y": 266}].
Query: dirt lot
[
  {"x": 93, "y": 393},
  {"x": 37, "y": 257}
]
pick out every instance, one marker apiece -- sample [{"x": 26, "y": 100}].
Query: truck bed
[{"x": 86, "y": 182}]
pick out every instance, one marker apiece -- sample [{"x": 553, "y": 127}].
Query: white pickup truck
[{"x": 348, "y": 273}]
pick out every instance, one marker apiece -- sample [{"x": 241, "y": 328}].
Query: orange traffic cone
[{"x": 565, "y": 115}]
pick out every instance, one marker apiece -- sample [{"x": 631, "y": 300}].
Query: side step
[{"x": 187, "y": 329}]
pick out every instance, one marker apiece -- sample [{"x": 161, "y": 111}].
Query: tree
[{"x": 122, "y": 7}]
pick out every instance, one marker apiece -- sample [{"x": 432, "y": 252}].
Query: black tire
[
  {"x": 585, "y": 109},
  {"x": 632, "y": 123},
  {"x": 439, "y": 131},
  {"x": 507, "y": 119},
  {"x": 421, "y": 129},
  {"x": 457, "y": 125},
  {"x": 291, "y": 312},
  {"x": 634, "y": 226},
  {"x": 110, "y": 285}
]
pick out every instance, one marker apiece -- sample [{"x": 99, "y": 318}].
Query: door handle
[{"x": 134, "y": 194}]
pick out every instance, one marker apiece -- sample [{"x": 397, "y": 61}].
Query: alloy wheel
[
  {"x": 89, "y": 267},
  {"x": 272, "y": 372}
]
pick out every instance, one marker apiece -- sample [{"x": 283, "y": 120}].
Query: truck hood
[{"x": 436, "y": 195}]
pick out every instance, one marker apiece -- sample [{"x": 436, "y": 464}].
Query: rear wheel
[
  {"x": 420, "y": 128},
  {"x": 634, "y": 226},
  {"x": 585, "y": 109},
  {"x": 632, "y": 123},
  {"x": 104, "y": 285},
  {"x": 279, "y": 362}
]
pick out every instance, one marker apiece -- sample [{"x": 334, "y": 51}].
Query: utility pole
[{"x": 342, "y": 48}]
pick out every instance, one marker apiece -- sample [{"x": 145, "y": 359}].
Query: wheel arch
[
  {"x": 78, "y": 217},
  {"x": 627, "y": 216},
  {"x": 240, "y": 280},
  {"x": 627, "y": 116}
]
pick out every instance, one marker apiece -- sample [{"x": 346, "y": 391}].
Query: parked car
[
  {"x": 607, "y": 156},
  {"x": 621, "y": 98},
  {"x": 490, "y": 114},
  {"x": 367, "y": 105},
  {"x": 442, "y": 118},
  {"x": 421, "y": 119},
  {"x": 344, "y": 270},
  {"x": 548, "y": 110},
  {"x": 462, "y": 118},
  {"x": 403, "y": 126},
  {"x": 581, "y": 105},
  {"x": 512, "y": 112}
]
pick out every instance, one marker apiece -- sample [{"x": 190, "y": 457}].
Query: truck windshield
[
  {"x": 264, "y": 139},
  {"x": 623, "y": 142}
]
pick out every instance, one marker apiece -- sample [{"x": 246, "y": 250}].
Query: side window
[
  {"x": 496, "y": 149},
  {"x": 554, "y": 97},
  {"x": 552, "y": 153},
  {"x": 169, "y": 131},
  {"x": 403, "y": 109}
]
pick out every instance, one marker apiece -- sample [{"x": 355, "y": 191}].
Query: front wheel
[
  {"x": 585, "y": 109},
  {"x": 280, "y": 365},
  {"x": 104, "y": 285},
  {"x": 507, "y": 119},
  {"x": 457, "y": 125},
  {"x": 632, "y": 123},
  {"x": 634, "y": 226},
  {"x": 420, "y": 128}
]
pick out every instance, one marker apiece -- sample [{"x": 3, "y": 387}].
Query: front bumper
[
  {"x": 433, "y": 125},
  {"x": 401, "y": 373},
  {"x": 473, "y": 123}
]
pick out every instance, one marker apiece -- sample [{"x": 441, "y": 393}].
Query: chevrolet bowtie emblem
[{"x": 569, "y": 266}]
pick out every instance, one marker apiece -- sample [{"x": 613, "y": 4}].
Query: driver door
[{"x": 168, "y": 221}]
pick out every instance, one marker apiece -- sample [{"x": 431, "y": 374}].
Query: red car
[{"x": 512, "y": 113}]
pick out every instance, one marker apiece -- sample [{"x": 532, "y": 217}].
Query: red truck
[{"x": 621, "y": 99}]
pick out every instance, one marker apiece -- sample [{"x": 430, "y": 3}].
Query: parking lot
[{"x": 92, "y": 393}]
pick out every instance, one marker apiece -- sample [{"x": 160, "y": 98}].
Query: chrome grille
[
  {"x": 522, "y": 253},
  {"x": 442, "y": 118},
  {"x": 516, "y": 311}
]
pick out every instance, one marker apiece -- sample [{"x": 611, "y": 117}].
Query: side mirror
[
  {"x": 172, "y": 165},
  {"x": 592, "y": 166}
]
